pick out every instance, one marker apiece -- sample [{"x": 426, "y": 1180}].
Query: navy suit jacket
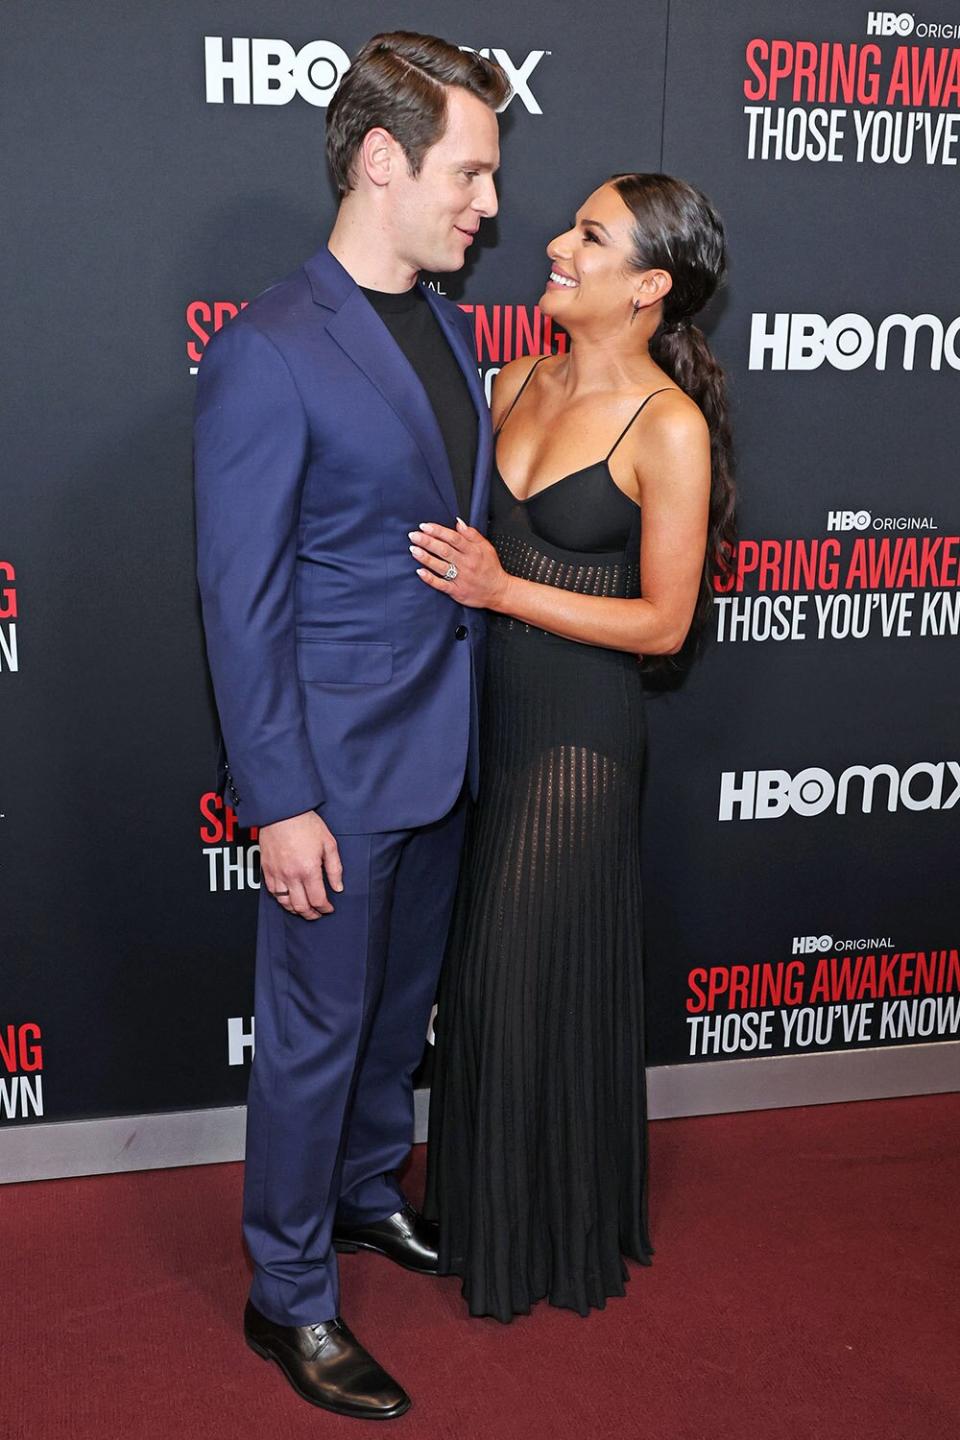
[{"x": 344, "y": 683}]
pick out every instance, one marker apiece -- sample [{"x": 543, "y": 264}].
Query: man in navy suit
[{"x": 339, "y": 410}]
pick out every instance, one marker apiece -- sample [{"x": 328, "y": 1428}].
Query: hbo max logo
[
  {"x": 271, "y": 72},
  {"x": 770, "y": 794},
  {"x": 805, "y": 342}
]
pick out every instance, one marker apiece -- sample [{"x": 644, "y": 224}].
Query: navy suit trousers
[{"x": 342, "y": 1008}]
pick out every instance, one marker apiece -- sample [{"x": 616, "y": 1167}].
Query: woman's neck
[{"x": 607, "y": 363}]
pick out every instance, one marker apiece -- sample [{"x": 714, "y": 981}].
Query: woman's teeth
[{"x": 562, "y": 280}]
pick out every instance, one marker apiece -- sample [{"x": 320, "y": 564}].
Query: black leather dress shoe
[
  {"x": 327, "y": 1365},
  {"x": 406, "y": 1238}
]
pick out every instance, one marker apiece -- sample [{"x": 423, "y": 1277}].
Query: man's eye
[{"x": 471, "y": 174}]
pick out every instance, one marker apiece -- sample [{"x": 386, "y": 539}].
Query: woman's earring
[{"x": 636, "y": 311}]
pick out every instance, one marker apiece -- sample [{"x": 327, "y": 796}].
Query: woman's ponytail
[
  {"x": 677, "y": 229},
  {"x": 682, "y": 351}
]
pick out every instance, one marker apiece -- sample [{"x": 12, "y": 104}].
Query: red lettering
[
  {"x": 807, "y": 55},
  {"x": 551, "y": 335},
  {"x": 8, "y": 1049},
  {"x": 846, "y": 978},
  {"x": 201, "y": 315},
  {"x": 888, "y": 974},
  {"x": 819, "y": 989},
  {"x": 781, "y": 64},
  {"x": 223, "y": 311},
  {"x": 805, "y": 71},
  {"x": 699, "y": 1001},
  {"x": 16, "y": 1050},
  {"x": 928, "y": 555},
  {"x": 221, "y": 828},
  {"x": 197, "y": 311},
  {"x": 487, "y": 323},
  {"x": 748, "y": 556},
  {"x": 907, "y": 574},
  {"x": 770, "y": 558},
  {"x": 739, "y": 978},
  {"x": 8, "y": 595},
  {"x": 31, "y": 1056},
  {"x": 951, "y": 90},
  {"x": 757, "y": 51},
  {"x": 719, "y": 984},
  {"x": 527, "y": 334},
  {"x": 924, "y": 77},
  {"x": 804, "y": 565},
  {"x": 210, "y": 803},
  {"x": 828, "y": 570},
  {"x": 868, "y": 978},
  {"x": 882, "y": 570}
]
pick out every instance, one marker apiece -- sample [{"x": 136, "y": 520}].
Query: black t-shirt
[{"x": 411, "y": 322}]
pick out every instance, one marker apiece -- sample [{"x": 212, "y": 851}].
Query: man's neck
[{"x": 363, "y": 247}]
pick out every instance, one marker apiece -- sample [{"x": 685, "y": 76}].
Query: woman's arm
[{"x": 672, "y": 472}]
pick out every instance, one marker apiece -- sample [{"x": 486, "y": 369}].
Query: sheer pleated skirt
[{"x": 537, "y": 1156}]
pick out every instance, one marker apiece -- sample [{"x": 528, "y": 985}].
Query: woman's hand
[{"x": 481, "y": 581}]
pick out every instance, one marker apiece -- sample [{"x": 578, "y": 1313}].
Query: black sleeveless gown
[{"x": 537, "y": 1146}]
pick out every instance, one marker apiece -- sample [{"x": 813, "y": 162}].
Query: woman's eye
[{"x": 589, "y": 235}]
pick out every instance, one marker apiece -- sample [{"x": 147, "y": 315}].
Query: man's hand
[{"x": 295, "y": 855}]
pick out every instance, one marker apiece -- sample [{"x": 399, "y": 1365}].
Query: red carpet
[{"x": 805, "y": 1285}]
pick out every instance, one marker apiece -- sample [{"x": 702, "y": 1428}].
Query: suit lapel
[
  {"x": 467, "y": 361},
  {"x": 361, "y": 334}
]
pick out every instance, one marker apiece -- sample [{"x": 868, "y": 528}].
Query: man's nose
[{"x": 487, "y": 202}]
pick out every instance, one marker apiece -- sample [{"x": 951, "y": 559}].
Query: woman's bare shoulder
[
  {"x": 671, "y": 441},
  {"x": 507, "y": 383}
]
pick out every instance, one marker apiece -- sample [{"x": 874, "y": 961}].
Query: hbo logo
[
  {"x": 848, "y": 519},
  {"x": 271, "y": 72},
  {"x": 886, "y": 22},
  {"x": 809, "y": 944}
]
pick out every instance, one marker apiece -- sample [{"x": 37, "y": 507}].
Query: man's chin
[{"x": 444, "y": 266}]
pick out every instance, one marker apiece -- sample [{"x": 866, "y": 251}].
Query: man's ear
[{"x": 378, "y": 155}]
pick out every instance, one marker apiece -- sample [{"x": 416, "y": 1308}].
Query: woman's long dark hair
[{"x": 677, "y": 229}]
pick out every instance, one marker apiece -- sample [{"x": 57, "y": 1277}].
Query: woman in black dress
[{"x": 537, "y": 1154}]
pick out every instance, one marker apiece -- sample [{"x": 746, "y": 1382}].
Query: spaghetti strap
[
  {"x": 526, "y": 381},
  {"x": 662, "y": 391}
]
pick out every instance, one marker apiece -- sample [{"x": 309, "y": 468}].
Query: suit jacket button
[{"x": 461, "y": 632}]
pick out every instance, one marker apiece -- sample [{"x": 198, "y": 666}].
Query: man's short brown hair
[{"x": 399, "y": 81}]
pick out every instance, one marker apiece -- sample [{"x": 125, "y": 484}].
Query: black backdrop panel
[
  {"x": 141, "y": 213},
  {"x": 824, "y": 238}
]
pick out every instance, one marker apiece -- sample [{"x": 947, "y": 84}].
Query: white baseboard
[{"x": 48, "y": 1151}]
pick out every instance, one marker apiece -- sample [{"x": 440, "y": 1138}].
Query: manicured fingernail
[
  {"x": 461, "y": 521},
  {"x": 412, "y": 534},
  {"x": 414, "y": 549},
  {"x": 427, "y": 529},
  {"x": 422, "y": 574}
]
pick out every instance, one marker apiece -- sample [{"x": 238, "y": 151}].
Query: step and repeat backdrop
[{"x": 165, "y": 165}]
